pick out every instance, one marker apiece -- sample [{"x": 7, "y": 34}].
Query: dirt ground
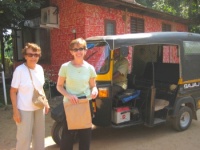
[
  {"x": 8, "y": 127},
  {"x": 161, "y": 137}
]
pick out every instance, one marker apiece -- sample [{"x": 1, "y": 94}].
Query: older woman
[{"x": 29, "y": 118}]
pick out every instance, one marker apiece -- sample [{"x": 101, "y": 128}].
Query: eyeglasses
[
  {"x": 78, "y": 49},
  {"x": 31, "y": 55}
]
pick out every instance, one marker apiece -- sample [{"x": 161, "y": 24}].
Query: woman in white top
[{"x": 29, "y": 118}]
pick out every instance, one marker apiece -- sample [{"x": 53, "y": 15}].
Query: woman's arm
[
  {"x": 60, "y": 87},
  {"x": 13, "y": 97},
  {"x": 94, "y": 91}
]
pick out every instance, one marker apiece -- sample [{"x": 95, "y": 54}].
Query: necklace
[
  {"x": 78, "y": 67},
  {"x": 79, "y": 70}
]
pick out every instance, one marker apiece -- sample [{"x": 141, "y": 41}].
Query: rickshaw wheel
[
  {"x": 183, "y": 119},
  {"x": 56, "y": 132}
]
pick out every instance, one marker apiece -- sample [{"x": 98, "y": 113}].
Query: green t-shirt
[{"x": 77, "y": 79}]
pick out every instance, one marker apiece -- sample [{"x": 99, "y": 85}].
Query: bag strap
[
  {"x": 30, "y": 75},
  {"x": 32, "y": 78}
]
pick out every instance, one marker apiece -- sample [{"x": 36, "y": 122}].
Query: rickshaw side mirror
[{"x": 124, "y": 51}]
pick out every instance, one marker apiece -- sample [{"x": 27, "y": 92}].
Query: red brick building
[{"x": 85, "y": 18}]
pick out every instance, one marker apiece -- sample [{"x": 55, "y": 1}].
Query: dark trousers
[
  {"x": 83, "y": 135},
  {"x": 68, "y": 138},
  {"x": 116, "y": 90}
]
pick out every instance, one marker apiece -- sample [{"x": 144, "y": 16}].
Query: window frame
[
  {"x": 166, "y": 27},
  {"x": 22, "y": 36},
  {"x": 137, "y": 28},
  {"x": 106, "y": 22}
]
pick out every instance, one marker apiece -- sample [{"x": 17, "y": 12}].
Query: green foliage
[
  {"x": 8, "y": 54},
  {"x": 194, "y": 28},
  {"x": 161, "y": 6},
  {"x": 12, "y": 12},
  {"x": 8, "y": 67},
  {"x": 143, "y": 2},
  {"x": 188, "y": 9},
  {"x": 8, "y": 45}
]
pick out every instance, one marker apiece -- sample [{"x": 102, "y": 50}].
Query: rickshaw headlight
[{"x": 103, "y": 92}]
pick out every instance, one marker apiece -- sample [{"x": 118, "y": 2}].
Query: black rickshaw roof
[{"x": 115, "y": 41}]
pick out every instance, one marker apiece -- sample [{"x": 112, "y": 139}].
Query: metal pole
[
  {"x": 49, "y": 89},
  {"x": 4, "y": 85}
]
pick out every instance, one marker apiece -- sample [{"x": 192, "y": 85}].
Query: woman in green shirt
[{"x": 78, "y": 77}]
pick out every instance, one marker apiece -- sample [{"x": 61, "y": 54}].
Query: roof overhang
[{"x": 136, "y": 8}]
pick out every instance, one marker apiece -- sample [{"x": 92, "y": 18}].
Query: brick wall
[{"x": 88, "y": 20}]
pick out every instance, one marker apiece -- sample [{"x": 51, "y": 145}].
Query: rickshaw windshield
[{"x": 98, "y": 56}]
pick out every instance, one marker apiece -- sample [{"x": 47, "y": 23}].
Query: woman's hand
[
  {"x": 47, "y": 107},
  {"x": 16, "y": 116},
  {"x": 13, "y": 97},
  {"x": 94, "y": 92},
  {"x": 73, "y": 99}
]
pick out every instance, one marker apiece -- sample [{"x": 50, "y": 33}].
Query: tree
[
  {"x": 13, "y": 13},
  {"x": 188, "y": 9}
]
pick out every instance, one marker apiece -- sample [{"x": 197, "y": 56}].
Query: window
[
  {"x": 166, "y": 27},
  {"x": 137, "y": 25},
  {"x": 170, "y": 54},
  {"x": 191, "y": 48},
  {"x": 110, "y": 27},
  {"x": 190, "y": 60},
  {"x": 39, "y": 36},
  {"x": 43, "y": 39}
]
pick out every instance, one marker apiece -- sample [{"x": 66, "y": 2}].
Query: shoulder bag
[{"x": 38, "y": 99}]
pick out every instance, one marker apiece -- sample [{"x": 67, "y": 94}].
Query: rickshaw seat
[
  {"x": 160, "y": 104},
  {"x": 164, "y": 72}
]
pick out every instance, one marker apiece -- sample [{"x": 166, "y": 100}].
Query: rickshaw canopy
[{"x": 188, "y": 46}]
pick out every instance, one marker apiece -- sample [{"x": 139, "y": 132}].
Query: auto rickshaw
[{"x": 163, "y": 80}]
